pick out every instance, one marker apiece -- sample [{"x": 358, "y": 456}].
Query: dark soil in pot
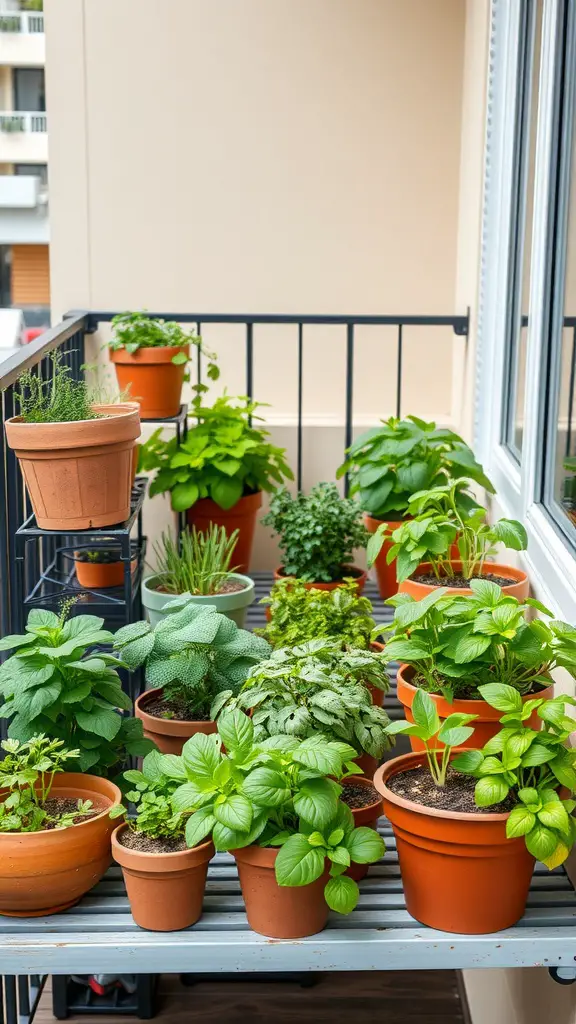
[
  {"x": 142, "y": 843},
  {"x": 356, "y": 796},
  {"x": 103, "y": 557},
  {"x": 456, "y": 795},
  {"x": 174, "y": 710},
  {"x": 56, "y": 805},
  {"x": 461, "y": 582}
]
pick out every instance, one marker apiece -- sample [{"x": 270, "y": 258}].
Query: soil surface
[
  {"x": 56, "y": 805},
  {"x": 228, "y": 587},
  {"x": 457, "y": 795},
  {"x": 142, "y": 843},
  {"x": 464, "y": 692},
  {"x": 357, "y": 796},
  {"x": 103, "y": 557},
  {"x": 175, "y": 710},
  {"x": 430, "y": 580}
]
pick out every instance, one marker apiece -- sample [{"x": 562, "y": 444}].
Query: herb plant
[
  {"x": 390, "y": 463},
  {"x": 317, "y": 532},
  {"x": 151, "y": 795},
  {"x": 97, "y": 556},
  {"x": 300, "y": 614},
  {"x": 280, "y": 792},
  {"x": 133, "y": 331},
  {"x": 316, "y": 687},
  {"x": 54, "y": 685},
  {"x": 225, "y": 456},
  {"x": 199, "y": 564},
  {"x": 27, "y": 772},
  {"x": 60, "y": 399},
  {"x": 193, "y": 653},
  {"x": 531, "y": 764},
  {"x": 458, "y": 643},
  {"x": 452, "y": 732}
]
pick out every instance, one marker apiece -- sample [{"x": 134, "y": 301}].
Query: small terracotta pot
[
  {"x": 385, "y": 574},
  {"x": 519, "y": 589},
  {"x": 242, "y": 517},
  {"x": 168, "y": 735},
  {"x": 78, "y": 475},
  {"x": 165, "y": 890},
  {"x": 459, "y": 871},
  {"x": 152, "y": 378},
  {"x": 363, "y": 816},
  {"x": 282, "y": 912},
  {"x": 101, "y": 575},
  {"x": 351, "y": 570},
  {"x": 45, "y": 872},
  {"x": 486, "y": 725},
  {"x": 367, "y": 763}
]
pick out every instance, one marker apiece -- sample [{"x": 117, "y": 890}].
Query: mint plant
[
  {"x": 534, "y": 766},
  {"x": 193, "y": 653},
  {"x": 133, "y": 331},
  {"x": 225, "y": 456},
  {"x": 317, "y": 533},
  {"x": 390, "y": 463},
  {"x": 280, "y": 792},
  {"x": 452, "y": 732},
  {"x": 151, "y": 795},
  {"x": 316, "y": 687},
  {"x": 27, "y": 772},
  {"x": 56, "y": 684},
  {"x": 458, "y": 643},
  {"x": 300, "y": 614}
]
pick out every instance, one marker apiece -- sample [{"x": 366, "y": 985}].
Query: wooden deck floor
[{"x": 401, "y": 997}]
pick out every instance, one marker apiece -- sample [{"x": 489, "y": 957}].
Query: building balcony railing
[
  {"x": 16, "y": 122},
  {"x": 22, "y": 22},
  {"x": 23, "y": 137}
]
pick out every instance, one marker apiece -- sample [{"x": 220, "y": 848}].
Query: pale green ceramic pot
[{"x": 233, "y": 604}]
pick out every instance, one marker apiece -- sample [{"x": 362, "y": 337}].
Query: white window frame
[{"x": 550, "y": 560}]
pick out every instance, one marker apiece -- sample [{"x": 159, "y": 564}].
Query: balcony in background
[
  {"x": 23, "y": 137},
  {"x": 22, "y": 40},
  {"x": 23, "y": 210}
]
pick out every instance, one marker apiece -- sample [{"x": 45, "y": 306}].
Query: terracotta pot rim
[
  {"x": 252, "y": 497},
  {"x": 407, "y": 761},
  {"x": 366, "y": 808},
  {"x": 125, "y": 409},
  {"x": 404, "y": 669},
  {"x": 166, "y": 726},
  {"x": 147, "y": 855},
  {"x": 355, "y": 572},
  {"x": 147, "y": 354},
  {"x": 62, "y": 778},
  {"x": 489, "y": 568}
]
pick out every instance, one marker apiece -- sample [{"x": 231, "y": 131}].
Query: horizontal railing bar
[
  {"x": 459, "y": 323},
  {"x": 31, "y": 354}
]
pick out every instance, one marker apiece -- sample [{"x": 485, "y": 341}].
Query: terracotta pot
[
  {"x": 45, "y": 872},
  {"x": 168, "y": 735},
  {"x": 385, "y": 574},
  {"x": 367, "y": 763},
  {"x": 242, "y": 516},
  {"x": 486, "y": 725},
  {"x": 165, "y": 890},
  {"x": 367, "y": 817},
  {"x": 519, "y": 589},
  {"x": 351, "y": 570},
  {"x": 282, "y": 912},
  {"x": 78, "y": 475},
  {"x": 460, "y": 872},
  {"x": 152, "y": 378},
  {"x": 101, "y": 575}
]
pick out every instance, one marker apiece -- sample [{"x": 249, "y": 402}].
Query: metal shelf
[{"x": 31, "y": 529}]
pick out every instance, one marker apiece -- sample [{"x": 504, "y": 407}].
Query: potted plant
[
  {"x": 470, "y": 824},
  {"x": 317, "y": 687},
  {"x": 56, "y": 684},
  {"x": 101, "y": 567},
  {"x": 448, "y": 520},
  {"x": 150, "y": 357},
  {"x": 218, "y": 472},
  {"x": 453, "y": 646},
  {"x": 390, "y": 463},
  {"x": 300, "y": 613},
  {"x": 64, "y": 442},
  {"x": 189, "y": 657},
  {"x": 165, "y": 880},
  {"x": 317, "y": 534},
  {"x": 276, "y": 806},
  {"x": 54, "y": 828},
  {"x": 198, "y": 567}
]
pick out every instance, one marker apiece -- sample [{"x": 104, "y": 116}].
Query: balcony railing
[
  {"x": 19, "y": 122},
  {"x": 25, "y": 22}
]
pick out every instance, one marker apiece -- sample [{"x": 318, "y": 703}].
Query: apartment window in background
[
  {"x": 34, "y": 170},
  {"x": 28, "y": 89},
  {"x": 525, "y": 159}
]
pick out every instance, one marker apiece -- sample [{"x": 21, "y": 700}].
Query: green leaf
[
  {"x": 99, "y": 721},
  {"x": 468, "y": 762},
  {"x": 502, "y": 697},
  {"x": 541, "y": 842},
  {"x": 172, "y": 766},
  {"x": 491, "y": 789},
  {"x": 470, "y": 647},
  {"x": 486, "y": 592},
  {"x": 319, "y": 757},
  {"x": 341, "y": 894},
  {"x": 425, "y": 714},
  {"x": 235, "y": 812},
  {"x": 528, "y": 795},
  {"x": 537, "y": 754},
  {"x": 189, "y": 797},
  {"x": 266, "y": 787},
  {"x": 179, "y": 359},
  {"x": 16, "y": 640},
  {"x": 40, "y": 617},
  {"x": 455, "y": 736},
  {"x": 316, "y": 802},
  {"x": 199, "y": 825},
  {"x": 554, "y": 815},
  {"x": 237, "y": 733},
  {"x": 201, "y": 755},
  {"x": 339, "y": 855},
  {"x": 520, "y": 822},
  {"x": 184, "y": 495},
  {"x": 365, "y": 846},
  {"x": 226, "y": 492},
  {"x": 40, "y": 699},
  {"x": 298, "y": 863},
  {"x": 511, "y": 533}
]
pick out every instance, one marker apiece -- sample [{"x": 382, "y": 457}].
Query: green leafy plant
[
  {"x": 98, "y": 556},
  {"x": 193, "y": 653},
  {"x": 27, "y": 773},
  {"x": 199, "y": 564},
  {"x": 458, "y": 643},
  {"x": 152, "y": 795},
  {"x": 224, "y": 457},
  {"x": 280, "y": 792},
  {"x": 54, "y": 685},
  {"x": 316, "y": 687},
  {"x": 441, "y": 517},
  {"x": 60, "y": 399},
  {"x": 452, "y": 732},
  {"x": 390, "y": 463},
  {"x": 133, "y": 331},
  {"x": 317, "y": 532},
  {"x": 533, "y": 766},
  {"x": 300, "y": 614}
]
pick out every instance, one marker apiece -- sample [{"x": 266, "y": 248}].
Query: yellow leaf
[{"x": 558, "y": 857}]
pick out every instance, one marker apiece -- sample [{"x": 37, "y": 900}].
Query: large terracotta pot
[
  {"x": 519, "y": 589},
  {"x": 363, "y": 817},
  {"x": 242, "y": 517},
  {"x": 459, "y": 871},
  {"x": 45, "y": 872},
  {"x": 486, "y": 725},
  {"x": 168, "y": 734},
  {"x": 385, "y": 574},
  {"x": 165, "y": 890},
  {"x": 282, "y": 912},
  {"x": 152, "y": 378},
  {"x": 347, "y": 570},
  {"x": 78, "y": 475}
]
